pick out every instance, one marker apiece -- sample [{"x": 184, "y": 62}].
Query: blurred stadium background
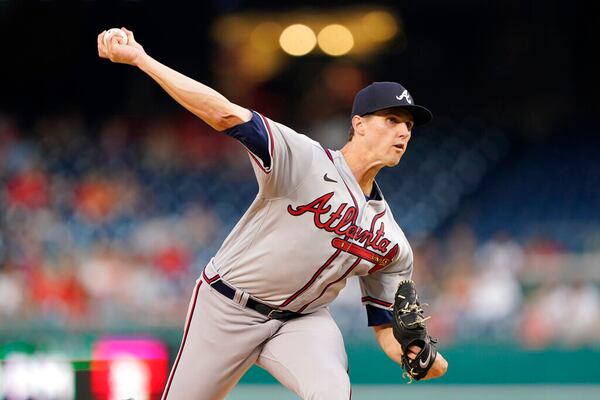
[{"x": 113, "y": 198}]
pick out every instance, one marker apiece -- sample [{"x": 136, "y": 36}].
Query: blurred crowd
[
  {"x": 502, "y": 289},
  {"x": 106, "y": 224},
  {"x": 96, "y": 228},
  {"x": 499, "y": 290}
]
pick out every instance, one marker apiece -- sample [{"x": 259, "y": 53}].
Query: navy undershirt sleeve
[
  {"x": 378, "y": 316},
  {"x": 254, "y": 137}
]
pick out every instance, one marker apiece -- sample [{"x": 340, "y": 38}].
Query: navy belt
[{"x": 268, "y": 311}]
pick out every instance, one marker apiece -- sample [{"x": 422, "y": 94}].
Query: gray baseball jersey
[{"x": 308, "y": 230}]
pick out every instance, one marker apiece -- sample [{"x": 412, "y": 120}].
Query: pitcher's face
[{"x": 387, "y": 133}]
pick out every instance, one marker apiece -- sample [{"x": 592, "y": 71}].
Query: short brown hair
[{"x": 351, "y": 133}]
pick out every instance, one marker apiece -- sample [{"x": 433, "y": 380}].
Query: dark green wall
[
  {"x": 476, "y": 363},
  {"x": 479, "y": 363}
]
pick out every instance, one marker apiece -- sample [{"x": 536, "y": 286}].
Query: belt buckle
[{"x": 275, "y": 310}]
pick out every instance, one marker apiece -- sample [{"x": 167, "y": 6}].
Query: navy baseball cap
[{"x": 381, "y": 95}]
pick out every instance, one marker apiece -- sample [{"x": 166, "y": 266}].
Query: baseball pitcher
[{"x": 318, "y": 218}]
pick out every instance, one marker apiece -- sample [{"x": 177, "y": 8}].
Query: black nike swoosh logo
[{"x": 328, "y": 179}]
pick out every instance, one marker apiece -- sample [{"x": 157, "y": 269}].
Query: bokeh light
[
  {"x": 380, "y": 25},
  {"x": 297, "y": 40},
  {"x": 264, "y": 37},
  {"x": 232, "y": 30},
  {"x": 335, "y": 40}
]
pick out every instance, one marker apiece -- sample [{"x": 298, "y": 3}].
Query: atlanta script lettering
[{"x": 342, "y": 222}]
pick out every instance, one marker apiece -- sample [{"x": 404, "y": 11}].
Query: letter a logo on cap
[{"x": 406, "y": 96}]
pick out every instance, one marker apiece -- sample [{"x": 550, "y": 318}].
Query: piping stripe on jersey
[
  {"x": 258, "y": 162},
  {"x": 375, "y": 218},
  {"x": 345, "y": 184},
  {"x": 312, "y": 280},
  {"x": 369, "y": 299},
  {"x": 183, "y": 340},
  {"x": 331, "y": 283},
  {"x": 328, "y": 154},
  {"x": 210, "y": 280}
]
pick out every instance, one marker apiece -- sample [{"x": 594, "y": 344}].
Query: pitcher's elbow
[{"x": 226, "y": 120}]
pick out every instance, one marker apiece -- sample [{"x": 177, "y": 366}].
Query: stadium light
[
  {"x": 380, "y": 26},
  {"x": 297, "y": 40},
  {"x": 335, "y": 40}
]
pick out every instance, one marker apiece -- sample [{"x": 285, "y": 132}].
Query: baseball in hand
[{"x": 122, "y": 36}]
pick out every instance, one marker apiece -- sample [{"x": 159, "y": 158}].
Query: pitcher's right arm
[{"x": 203, "y": 101}]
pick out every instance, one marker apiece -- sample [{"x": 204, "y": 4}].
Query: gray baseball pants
[{"x": 222, "y": 339}]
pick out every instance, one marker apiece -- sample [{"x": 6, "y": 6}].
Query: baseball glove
[{"x": 410, "y": 330}]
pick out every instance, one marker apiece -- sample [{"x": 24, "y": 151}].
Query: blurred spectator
[
  {"x": 58, "y": 292},
  {"x": 97, "y": 199},
  {"x": 450, "y": 307},
  {"x": 426, "y": 259},
  {"x": 28, "y": 189},
  {"x": 501, "y": 253},
  {"x": 494, "y": 302},
  {"x": 459, "y": 250},
  {"x": 562, "y": 313},
  {"x": 544, "y": 257},
  {"x": 11, "y": 294},
  {"x": 495, "y": 295}
]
